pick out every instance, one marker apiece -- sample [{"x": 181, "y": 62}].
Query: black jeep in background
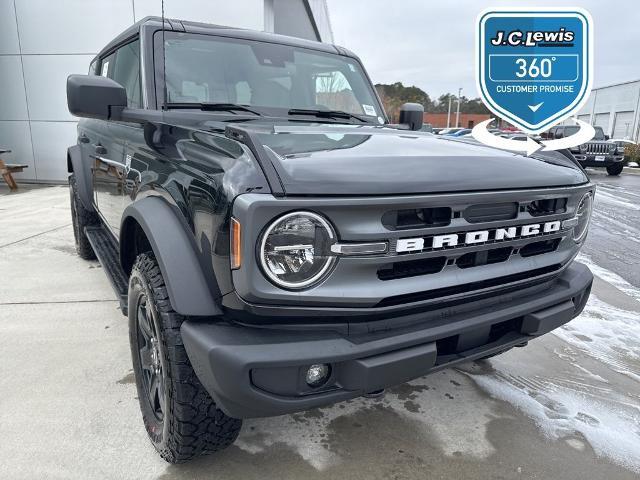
[
  {"x": 598, "y": 152},
  {"x": 277, "y": 245}
]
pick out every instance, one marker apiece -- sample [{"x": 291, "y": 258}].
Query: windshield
[
  {"x": 210, "y": 69},
  {"x": 573, "y": 130}
]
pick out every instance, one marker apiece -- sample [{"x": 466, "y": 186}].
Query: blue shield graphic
[{"x": 534, "y": 65}]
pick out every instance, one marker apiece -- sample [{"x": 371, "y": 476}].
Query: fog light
[{"x": 318, "y": 374}]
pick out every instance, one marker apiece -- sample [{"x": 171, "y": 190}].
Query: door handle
[
  {"x": 83, "y": 139},
  {"x": 100, "y": 150}
]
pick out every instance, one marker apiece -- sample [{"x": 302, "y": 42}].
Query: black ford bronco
[
  {"x": 597, "y": 152},
  {"x": 278, "y": 245}
]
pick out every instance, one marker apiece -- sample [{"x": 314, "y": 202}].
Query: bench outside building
[{"x": 7, "y": 169}]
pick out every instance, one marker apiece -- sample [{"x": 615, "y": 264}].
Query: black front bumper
[
  {"x": 590, "y": 160},
  {"x": 257, "y": 372}
]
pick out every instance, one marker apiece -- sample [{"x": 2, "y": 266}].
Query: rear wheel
[
  {"x": 615, "y": 169},
  {"x": 81, "y": 217},
  {"x": 180, "y": 416}
]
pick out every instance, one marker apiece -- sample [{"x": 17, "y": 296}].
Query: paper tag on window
[
  {"x": 369, "y": 110},
  {"x": 352, "y": 68}
]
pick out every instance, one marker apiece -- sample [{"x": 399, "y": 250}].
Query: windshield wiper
[
  {"x": 326, "y": 114},
  {"x": 213, "y": 107}
]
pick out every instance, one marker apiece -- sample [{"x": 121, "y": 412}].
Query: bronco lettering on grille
[{"x": 476, "y": 237}]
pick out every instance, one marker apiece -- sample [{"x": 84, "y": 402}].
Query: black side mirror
[
  {"x": 412, "y": 115},
  {"x": 93, "y": 96},
  {"x": 606, "y": 137}
]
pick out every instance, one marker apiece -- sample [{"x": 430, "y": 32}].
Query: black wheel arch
[
  {"x": 82, "y": 172},
  {"x": 152, "y": 224}
]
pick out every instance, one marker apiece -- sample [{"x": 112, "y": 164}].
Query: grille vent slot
[
  {"x": 550, "y": 206},
  {"x": 491, "y": 212},
  {"x": 485, "y": 257},
  {"x": 417, "y": 218},
  {"x": 540, "y": 248},
  {"x": 412, "y": 268}
]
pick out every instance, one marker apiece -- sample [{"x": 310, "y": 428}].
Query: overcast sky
[{"x": 430, "y": 44}]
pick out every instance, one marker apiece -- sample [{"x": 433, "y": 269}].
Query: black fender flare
[
  {"x": 82, "y": 171},
  {"x": 174, "y": 248}
]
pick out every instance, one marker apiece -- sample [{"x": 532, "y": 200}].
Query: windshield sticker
[
  {"x": 105, "y": 68},
  {"x": 369, "y": 110},
  {"x": 352, "y": 67}
]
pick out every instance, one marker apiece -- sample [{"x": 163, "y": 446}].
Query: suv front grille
[
  {"x": 429, "y": 266},
  {"x": 484, "y": 238},
  {"x": 597, "y": 148}
]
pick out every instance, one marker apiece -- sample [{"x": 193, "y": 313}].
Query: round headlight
[
  {"x": 583, "y": 148},
  {"x": 583, "y": 215},
  {"x": 612, "y": 148},
  {"x": 295, "y": 251}
]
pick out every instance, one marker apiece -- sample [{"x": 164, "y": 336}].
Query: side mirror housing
[
  {"x": 606, "y": 137},
  {"x": 412, "y": 115},
  {"x": 93, "y": 96}
]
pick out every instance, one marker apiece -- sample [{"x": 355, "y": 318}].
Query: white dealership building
[
  {"x": 43, "y": 41},
  {"x": 615, "y": 108}
]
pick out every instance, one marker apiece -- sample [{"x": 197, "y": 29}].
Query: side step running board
[{"x": 106, "y": 250}]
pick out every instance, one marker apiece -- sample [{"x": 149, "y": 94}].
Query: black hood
[{"x": 368, "y": 160}]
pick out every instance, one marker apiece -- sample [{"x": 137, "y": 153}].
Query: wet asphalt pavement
[
  {"x": 614, "y": 237},
  {"x": 565, "y": 407}
]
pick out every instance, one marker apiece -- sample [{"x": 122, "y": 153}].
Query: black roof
[{"x": 155, "y": 23}]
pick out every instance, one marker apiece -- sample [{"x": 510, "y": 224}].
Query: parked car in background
[
  {"x": 449, "y": 131},
  {"x": 459, "y": 133},
  {"x": 630, "y": 150},
  {"x": 521, "y": 137},
  {"x": 597, "y": 152},
  {"x": 426, "y": 127}
]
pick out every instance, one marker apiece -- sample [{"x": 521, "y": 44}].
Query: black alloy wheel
[{"x": 150, "y": 360}]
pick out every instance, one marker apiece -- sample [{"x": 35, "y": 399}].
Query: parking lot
[{"x": 567, "y": 406}]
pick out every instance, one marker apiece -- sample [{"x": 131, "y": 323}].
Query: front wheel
[
  {"x": 615, "y": 169},
  {"x": 180, "y": 416}
]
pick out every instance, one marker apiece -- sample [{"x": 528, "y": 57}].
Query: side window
[
  {"x": 92, "y": 67},
  {"x": 559, "y": 132},
  {"x": 123, "y": 66}
]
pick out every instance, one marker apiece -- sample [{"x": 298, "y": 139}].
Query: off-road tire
[
  {"x": 81, "y": 217},
  {"x": 615, "y": 169},
  {"x": 191, "y": 424}
]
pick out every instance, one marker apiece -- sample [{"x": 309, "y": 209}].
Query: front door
[
  {"x": 108, "y": 179},
  {"x": 111, "y": 165}
]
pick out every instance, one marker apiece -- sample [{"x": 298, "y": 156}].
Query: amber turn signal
[{"x": 236, "y": 252}]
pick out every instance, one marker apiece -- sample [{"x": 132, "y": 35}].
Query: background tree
[{"x": 395, "y": 94}]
